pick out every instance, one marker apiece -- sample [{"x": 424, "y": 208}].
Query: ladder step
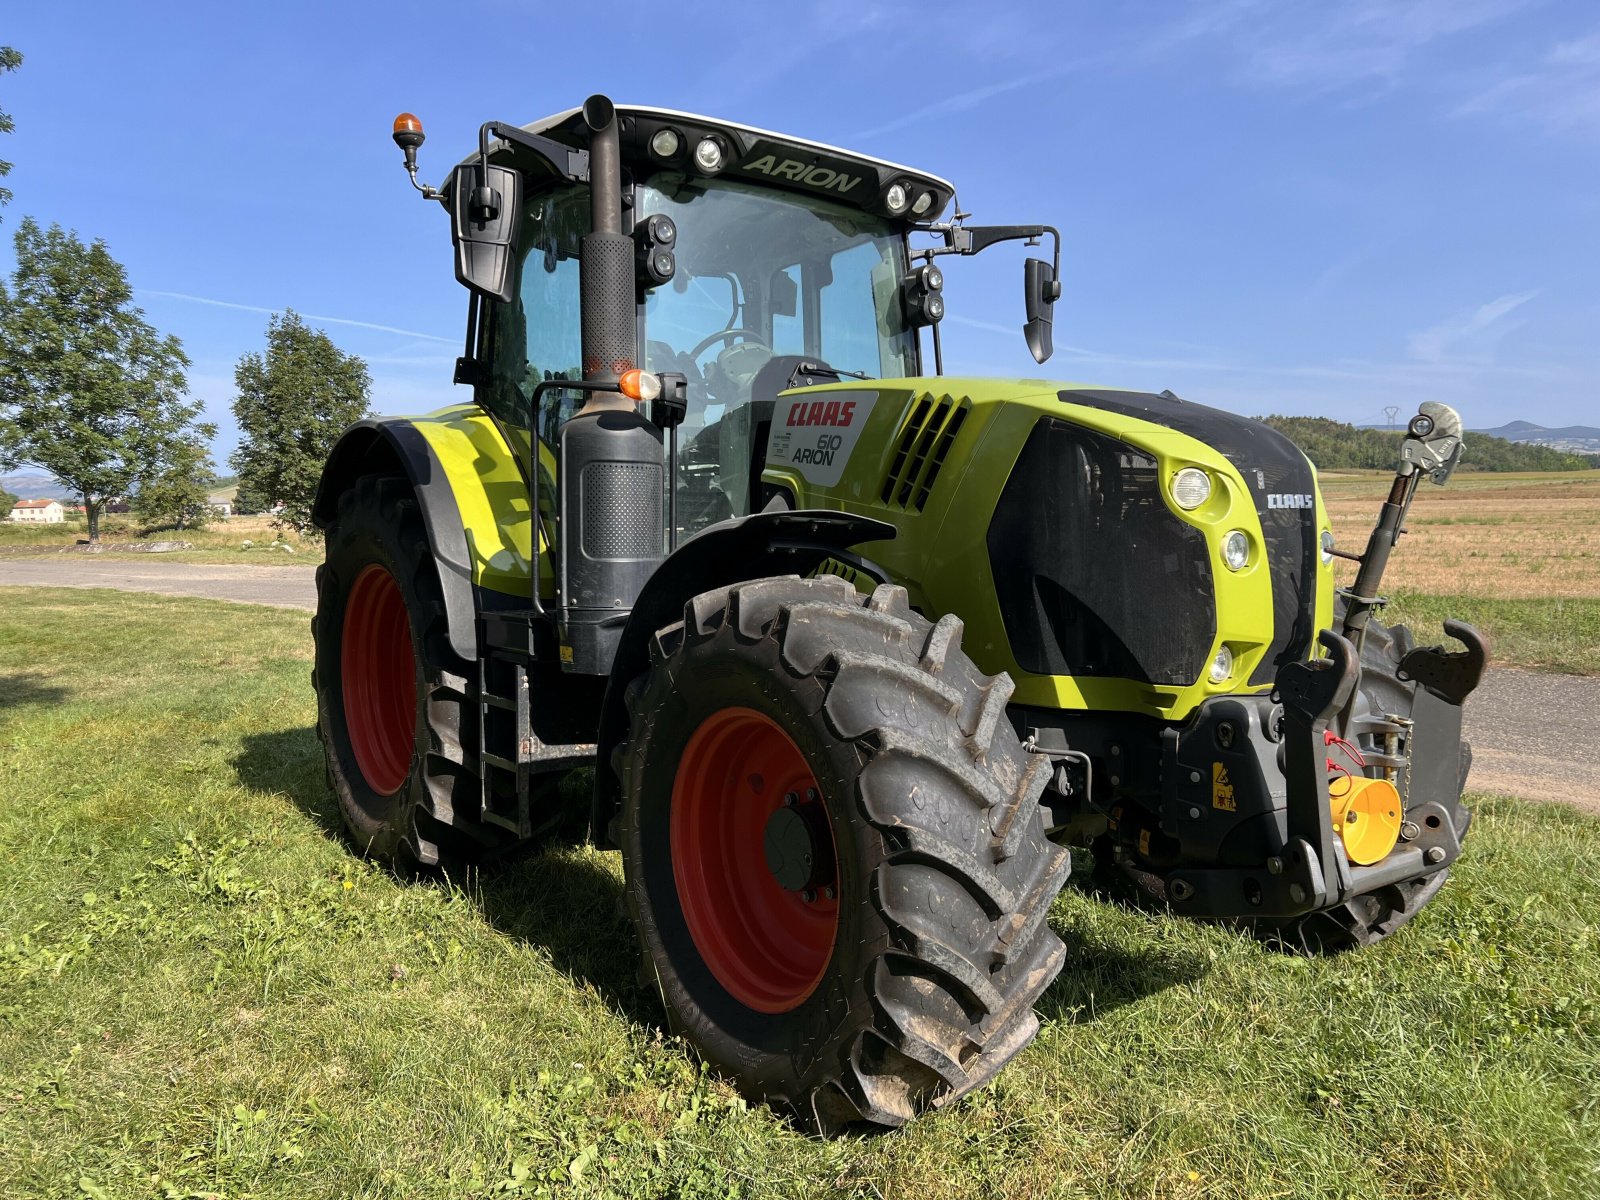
[{"x": 498, "y": 702}]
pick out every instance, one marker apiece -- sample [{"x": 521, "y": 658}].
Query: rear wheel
[
  {"x": 392, "y": 699},
  {"x": 834, "y": 852}
]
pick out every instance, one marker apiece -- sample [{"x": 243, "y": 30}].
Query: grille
[
  {"x": 1094, "y": 575},
  {"x": 621, "y": 510},
  {"x": 924, "y": 444},
  {"x": 1270, "y": 463}
]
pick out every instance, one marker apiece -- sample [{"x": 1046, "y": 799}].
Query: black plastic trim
[{"x": 396, "y": 446}]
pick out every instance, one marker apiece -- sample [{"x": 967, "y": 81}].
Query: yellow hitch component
[{"x": 1366, "y": 816}]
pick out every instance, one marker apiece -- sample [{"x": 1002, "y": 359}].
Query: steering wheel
[{"x": 727, "y": 335}]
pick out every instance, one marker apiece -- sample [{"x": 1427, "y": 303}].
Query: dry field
[{"x": 1505, "y": 537}]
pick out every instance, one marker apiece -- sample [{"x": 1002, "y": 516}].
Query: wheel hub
[
  {"x": 799, "y": 848},
  {"x": 753, "y": 860}
]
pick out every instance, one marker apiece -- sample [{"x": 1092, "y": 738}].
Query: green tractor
[{"x": 855, "y": 652}]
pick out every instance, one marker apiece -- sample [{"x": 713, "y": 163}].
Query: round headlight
[
  {"x": 1191, "y": 487},
  {"x": 1236, "y": 550},
  {"x": 665, "y": 144},
  {"x": 923, "y": 204},
  {"x": 932, "y": 277},
  {"x": 708, "y": 155},
  {"x": 1327, "y": 546},
  {"x": 895, "y": 198},
  {"x": 934, "y": 306},
  {"x": 1222, "y": 665}
]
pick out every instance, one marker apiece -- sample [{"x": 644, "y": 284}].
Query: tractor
[{"x": 854, "y": 652}]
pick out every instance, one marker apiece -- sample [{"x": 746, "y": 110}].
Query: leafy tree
[
  {"x": 293, "y": 403},
  {"x": 10, "y": 60},
  {"x": 178, "y": 494},
  {"x": 89, "y": 391},
  {"x": 6, "y": 501}
]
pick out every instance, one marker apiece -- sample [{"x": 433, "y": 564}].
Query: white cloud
[
  {"x": 1469, "y": 335},
  {"x": 431, "y": 337},
  {"x": 1560, "y": 90}
]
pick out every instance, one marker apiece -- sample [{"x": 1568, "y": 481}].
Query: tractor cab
[{"x": 761, "y": 262}]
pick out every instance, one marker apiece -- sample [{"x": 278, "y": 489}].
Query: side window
[{"x": 538, "y": 335}]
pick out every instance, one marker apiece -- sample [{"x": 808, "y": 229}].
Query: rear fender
[
  {"x": 395, "y": 446},
  {"x": 753, "y": 547}
]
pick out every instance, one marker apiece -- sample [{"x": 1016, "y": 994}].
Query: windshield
[{"x": 764, "y": 279}]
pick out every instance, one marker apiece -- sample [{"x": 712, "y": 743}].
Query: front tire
[{"x": 833, "y": 851}]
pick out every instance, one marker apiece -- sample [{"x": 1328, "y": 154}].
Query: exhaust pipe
[
  {"x": 605, "y": 263},
  {"x": 612, "y": 482}
]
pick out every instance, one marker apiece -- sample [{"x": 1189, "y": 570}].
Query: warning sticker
[
  {"x": 814, "y": 435},
  {"x": 1222, "y": 789}
]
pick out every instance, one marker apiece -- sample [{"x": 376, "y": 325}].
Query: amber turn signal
[{"x": 639, "y": 385}]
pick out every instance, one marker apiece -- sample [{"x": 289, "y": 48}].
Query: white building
[{"x": 40, "y": 512}]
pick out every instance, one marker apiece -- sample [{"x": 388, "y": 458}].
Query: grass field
[
  {"x": 1518, "y": 556},
  {"x": 202, "y": 993}
]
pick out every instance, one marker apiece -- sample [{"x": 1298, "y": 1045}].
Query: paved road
[
  {"x": 1533, "y": 734},
  {"x": 281, "y": 587}
]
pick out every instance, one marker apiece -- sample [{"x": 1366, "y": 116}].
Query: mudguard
[
  {"x": 395, "y": 446},
  {"x": 753, "y": 547}
]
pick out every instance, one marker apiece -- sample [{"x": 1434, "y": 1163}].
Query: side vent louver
[{"x": 924, "y": 444}]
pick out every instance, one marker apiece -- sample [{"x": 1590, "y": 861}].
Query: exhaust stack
[{"x": 612, "y": 479}]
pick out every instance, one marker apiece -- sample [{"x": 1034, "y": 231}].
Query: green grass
[
  {"x": 1555, "y": 633},
  {"x": 220, "y": 542},
  {"x": 202, "y": 993}
]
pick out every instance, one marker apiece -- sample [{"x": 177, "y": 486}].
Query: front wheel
[{"x": 833, "y": 851}]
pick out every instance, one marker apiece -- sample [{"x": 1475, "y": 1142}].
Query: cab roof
[{"x": 760, "y": 156}]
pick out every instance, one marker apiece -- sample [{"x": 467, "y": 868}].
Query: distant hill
[
  {"x": 31, "y": 486},
  {"x": 1574, "y": 439},
  {"x": 1333, "y": 445}
]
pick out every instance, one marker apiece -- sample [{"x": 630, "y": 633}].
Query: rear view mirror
[
  {"x": 785, "y": 294},
  {"x": 1041, "y": 289},
  {"x": 485, "y": 206}
]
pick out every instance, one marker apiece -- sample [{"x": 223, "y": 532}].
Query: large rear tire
[
  {"x": 833, "y": 851},
  {"x": 393, "y": 707}
]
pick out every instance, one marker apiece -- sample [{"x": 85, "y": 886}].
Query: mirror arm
[{"x": 564, "y": 160}]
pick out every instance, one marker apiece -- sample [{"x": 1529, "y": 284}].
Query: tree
[
  {"x": 10, "y": 60},
  {"x": 293, "y": 404},
  {"x": 178, "y": 494},
  {"x": 89, "y": 391},
  {"x": 6, "y": 501}
]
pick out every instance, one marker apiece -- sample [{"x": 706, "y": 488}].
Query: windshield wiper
[{"x": 817, "y": 368}]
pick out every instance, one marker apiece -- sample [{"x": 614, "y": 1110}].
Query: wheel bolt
[
  {"x": 828, "y": 893},
  {"x": 809, "y": 896},
  {"x": 812, "y": 795},
  {"x": 790, "y": 799}
]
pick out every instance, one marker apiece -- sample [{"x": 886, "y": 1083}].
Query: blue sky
[{"x": 1271, "y": 206}]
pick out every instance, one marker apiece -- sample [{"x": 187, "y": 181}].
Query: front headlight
[
  {"x": 1327, "y": 546},
  {"x": 1236, "y": 550},
  {"x": 1191, "y": 487},
  {"x": 1222, "y": 665}
]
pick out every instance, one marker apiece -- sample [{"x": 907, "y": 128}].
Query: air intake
[{"x": 924, "y": 444}]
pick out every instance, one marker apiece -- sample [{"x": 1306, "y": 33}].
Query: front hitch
[{"x": 1309, "y": 868}]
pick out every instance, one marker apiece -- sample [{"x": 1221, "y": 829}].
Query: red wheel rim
[
  {"x": 379, "y": 680},
  {"x": 767, "y": 946}
]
